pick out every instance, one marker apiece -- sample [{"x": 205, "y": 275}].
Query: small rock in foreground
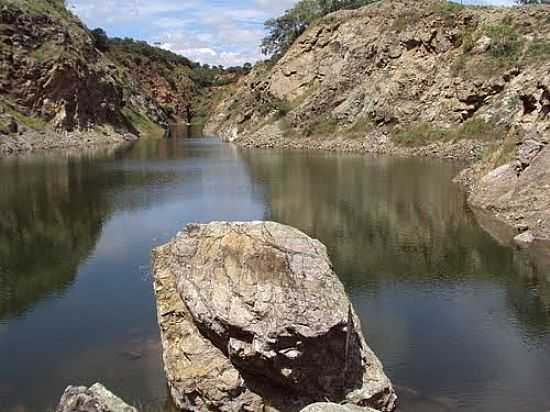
[
  {"x": 97, "y": 398},
  {"x": 334, "y": 407}
]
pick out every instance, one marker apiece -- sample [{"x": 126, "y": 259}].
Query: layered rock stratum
[
  {"x": 253, "y": 317},
  {"x": 426, "y": 78},
  {"x": 58, "y": 89}
]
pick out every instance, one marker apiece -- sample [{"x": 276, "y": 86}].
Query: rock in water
[
  {"x": 333, "y": 407},
  {"x": 253, "y": 317},
  {"x": 94, "y": 399}
]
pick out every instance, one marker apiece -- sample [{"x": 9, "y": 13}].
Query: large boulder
[
  {"x": 252, "y": 316},
  {"x": 97, "y": 398}
]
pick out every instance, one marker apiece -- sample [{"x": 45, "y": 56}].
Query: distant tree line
[{"x": 204, "y": 74}]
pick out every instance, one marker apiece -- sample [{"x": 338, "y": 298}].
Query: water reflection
[
  {"x": 50, "y": 221},
  {"x": 461, "y": 321},
  {"x": 456, "y": 316},
  {"x": 76, "y": 231},
  {"x": 402, "y": 217}
]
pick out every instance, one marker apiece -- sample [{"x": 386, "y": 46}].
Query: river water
[{"x": 460, "y": 321}]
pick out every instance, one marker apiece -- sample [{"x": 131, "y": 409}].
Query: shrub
[
  {"x": 538, "y": 50},
  {"x": 321, "y": 127},
  {"x": 100, "y": 39},
  {"x": 360, "y": 128},
  {"x": 468, "y": 38},
  {"x": 282, "y": 31},
  {"x": 478, "y": 128},
  {"x": 269, "y": 104},
  {"x": 424, "y": 133},
  {"x": 505, "y": 40},
  {"x": 420, "y": 134},
  {"x": 448, "y": 10}
]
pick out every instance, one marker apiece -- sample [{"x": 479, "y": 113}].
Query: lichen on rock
[
  {"x": 253, "y": 316},
  {"x": 97, "y": 398}
]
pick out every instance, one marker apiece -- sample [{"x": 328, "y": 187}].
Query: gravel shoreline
[{"x": 32, "y": 141}]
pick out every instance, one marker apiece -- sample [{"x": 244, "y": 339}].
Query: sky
[{"x": 226, "y": 32}]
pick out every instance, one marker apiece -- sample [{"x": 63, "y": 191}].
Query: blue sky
[{"x": 224, "y": 32}]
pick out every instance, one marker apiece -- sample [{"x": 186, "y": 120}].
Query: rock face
[
  {"x": 355, "y": 79},
  {"x": 55, "y": 81},
  {"x": 97, "y": 398},
  {"x": 252, "y": 316},
  {"x": 519, "y": 193}
]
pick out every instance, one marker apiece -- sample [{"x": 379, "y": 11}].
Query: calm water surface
[{"x": 461, "y": 322}]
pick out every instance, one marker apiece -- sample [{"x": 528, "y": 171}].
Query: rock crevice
[{"x": 252, "y": 316}]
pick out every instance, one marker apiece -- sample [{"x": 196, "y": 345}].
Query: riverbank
[
  {"x": 272, "y": 137},
  {"x": 49, "y": 140},
  {"x": 514, "y": 193}
]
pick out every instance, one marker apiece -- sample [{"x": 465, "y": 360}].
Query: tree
[
  {"x": 526, "y": 2},
  {"x": 284, "y": 30},
  {"x": 101, "y": 40}
]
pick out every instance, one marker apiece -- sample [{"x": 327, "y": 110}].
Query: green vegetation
[
  {"x": 323, "y": 126},
  {"x": 101, "y": 41},
  {"x": 284, "y": 30},
  {"x": 360, "y": 128},
  {"x": 468, "y": 39},
  {"x": 4, "y": 126},
  {"x": 46, "y": 51},
  {"x": 131, "y": 47},
  {"x": 424, "y": 133},
  {"x": 505, "y": 41},
  {"x": 53, "y": 8},
  {"x": 503, "y": 53},
  {"x": 538, "y": 51},
  {"x": 142, "y": 123},
  {"x": 420, "y": 134},
  {"x": 32, "y": 122},
  {"x": 506, "y": 151},
  {"x": 273, "y": 104},
  {"x": 448, "y": 11}
]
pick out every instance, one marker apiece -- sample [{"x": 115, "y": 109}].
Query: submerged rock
[
  {"x": 253, "y": 317},
  {"x": 97, "y": 398}
]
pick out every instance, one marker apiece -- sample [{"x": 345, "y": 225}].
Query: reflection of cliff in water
[
  {"x": 532, "y": 294},
  {"x": 50, "y": 221},
  {"x": 388, "y": 217},
  {"x": 393, "y": 216},
  {"x": 53, "y": 207}
]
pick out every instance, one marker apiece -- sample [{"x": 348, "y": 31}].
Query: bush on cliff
[
  {"x": 423, "y": 133},
  {"x": 284, "y": 30}
]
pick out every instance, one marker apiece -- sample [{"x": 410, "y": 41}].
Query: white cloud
[{"x": 224, "y": 32}]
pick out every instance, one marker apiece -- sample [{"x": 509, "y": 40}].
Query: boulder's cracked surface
[
  {"x": 253, "y": 317},
  {"x": 97, "y": 398}
]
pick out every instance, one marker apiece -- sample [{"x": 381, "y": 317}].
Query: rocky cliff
[
  {"x": 58, "y": 89},
  {"x": 430, "y": 78}
]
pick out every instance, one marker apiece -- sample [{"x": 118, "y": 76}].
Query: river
[{"x": 460, "y": 321}]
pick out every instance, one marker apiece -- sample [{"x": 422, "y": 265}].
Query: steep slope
[
  {"x": 400, "y": 76},
  {"x": 57, "y": 89}
]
